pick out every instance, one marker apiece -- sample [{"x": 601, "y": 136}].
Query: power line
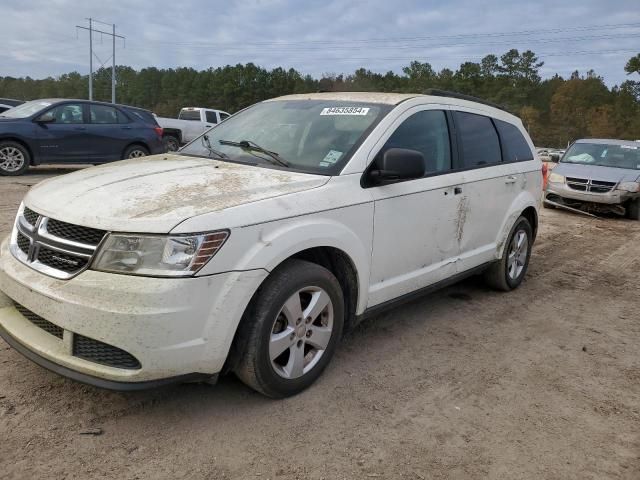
[{"x": 92, "y": 54}]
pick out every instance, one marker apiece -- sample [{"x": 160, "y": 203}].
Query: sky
[{"x": 39, "y": 38}]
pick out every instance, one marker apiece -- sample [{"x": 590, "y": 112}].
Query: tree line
[{"x": 555, "y": 110}]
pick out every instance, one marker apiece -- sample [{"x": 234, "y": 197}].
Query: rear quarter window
[
  {"x": 514, "y": 146},
  {"x": 479, "y": 140}
]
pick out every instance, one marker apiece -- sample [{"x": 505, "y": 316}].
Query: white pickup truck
[{"x": 191, "y": 122}]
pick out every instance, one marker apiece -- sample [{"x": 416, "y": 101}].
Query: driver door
[
  {"x": 61, "y": 134},
  {"x": 415, "y": 221}
]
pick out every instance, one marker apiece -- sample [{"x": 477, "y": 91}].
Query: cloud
[{"x": 39, "y": 37}]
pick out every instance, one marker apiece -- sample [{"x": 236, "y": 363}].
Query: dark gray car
[{"x": 598, "y": 175}]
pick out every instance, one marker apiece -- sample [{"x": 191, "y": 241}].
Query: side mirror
[
  {"x": 46, "y": 118},
  {"x": 554, "y": 157},
  {"x": 399, "y": 164}
]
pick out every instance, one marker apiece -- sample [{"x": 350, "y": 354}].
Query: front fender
[{"x": 266, "y": 246}]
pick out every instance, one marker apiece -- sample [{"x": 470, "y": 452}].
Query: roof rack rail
[{"x": 436, "y": 92}]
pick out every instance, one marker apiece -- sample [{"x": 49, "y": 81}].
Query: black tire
[
  {"x": 11, "y": 154},
  {"x": 255, "y": 367},
  {"x": 135, "y": 151},
  {"x": 498, "y": 275},
  {"x": 171, "y": 142},
  {"x": 633, "y": 209}
]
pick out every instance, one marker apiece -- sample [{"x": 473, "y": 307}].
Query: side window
[
  {"x": 480, "y": 143},
  {"x": 428, "y": 133},
  {"x": 223, "y": 116},
  {"x": 514, "y": 147},
  {"x": 211, "y": 117},
  {"x": 103, "y": 114},
  {"x": 67, "y": 113}
]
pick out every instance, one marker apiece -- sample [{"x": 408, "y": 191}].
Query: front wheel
[
  {"x": 291, "y": 329},
  {"x": 14, "y": 158},
  {"x": 509, "y": 272},
  {"x": 171, "y": 143}
]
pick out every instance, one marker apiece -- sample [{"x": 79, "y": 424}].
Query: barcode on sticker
[{"x": 344, "y": 111}]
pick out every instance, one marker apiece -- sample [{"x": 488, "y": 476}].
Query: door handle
[
  {"x": 511, "y": 179},
  {"x": 457, "y": 190}
]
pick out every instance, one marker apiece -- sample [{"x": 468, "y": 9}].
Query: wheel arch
[
  {"x": 172, "y": 132},
  {"x": 334, "y": 259},
  {"x": 32, "y": 157},
  {"x": 524, "y": 205},
  {"x": 133, "y": 143}
]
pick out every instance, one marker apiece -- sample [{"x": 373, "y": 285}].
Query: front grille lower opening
[
  {"x": 40, "y": 322},
  {"x": 102, "y": 353}
]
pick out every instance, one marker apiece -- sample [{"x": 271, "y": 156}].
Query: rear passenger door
[
  {"x": 489, "y": 184},
  {"x": 110, "y": 132},
  {"x": 414, "y": 241}
]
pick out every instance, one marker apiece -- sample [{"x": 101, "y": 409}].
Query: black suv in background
[{"x": 74, "y": 131}]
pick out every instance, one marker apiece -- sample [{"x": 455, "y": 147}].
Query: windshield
[
  {"x": 314, "y": 136},
  {"x": 605, "y": 155},
  {"x": 26, "y": 109}
]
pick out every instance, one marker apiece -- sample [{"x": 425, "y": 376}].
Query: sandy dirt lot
[{"x": 543, "y": 382}]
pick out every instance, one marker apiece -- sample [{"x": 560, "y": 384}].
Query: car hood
[
  {"x": 154, "y": 194},
  {"x": 597, "y": 172}
]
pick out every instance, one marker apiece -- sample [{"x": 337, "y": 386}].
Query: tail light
[
  {"x": 545, "y": 175},
  {"x": 159, "y": 131}
]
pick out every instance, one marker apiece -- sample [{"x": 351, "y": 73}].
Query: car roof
[
  {"x": 609, "y": 141},
  {"x": 60, "y": 100},
  {"x": 397, "y": 98}
]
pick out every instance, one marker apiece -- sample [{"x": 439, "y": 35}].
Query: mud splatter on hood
[{"x": 154, "y": 194}]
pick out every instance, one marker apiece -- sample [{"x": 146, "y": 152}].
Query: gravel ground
[{"x": 542, "y": 382}]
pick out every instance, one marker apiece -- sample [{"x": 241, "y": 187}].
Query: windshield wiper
[
  {"x": 207, "y": 144},
  {"x": 274, "y": 157}
]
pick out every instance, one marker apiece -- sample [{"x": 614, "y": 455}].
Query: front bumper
[
  {"x": 173, "y": 327},
  {"x": 614, "y": 197}
]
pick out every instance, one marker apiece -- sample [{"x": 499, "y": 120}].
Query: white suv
[{"x": 256, "y": 246}]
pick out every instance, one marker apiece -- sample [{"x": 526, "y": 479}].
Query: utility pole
[{"x": 113, "y": 36}]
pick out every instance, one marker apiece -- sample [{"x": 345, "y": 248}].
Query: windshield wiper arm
[
  {"x": 274, "y": 157},
  {"x": 207, "y": 144}
]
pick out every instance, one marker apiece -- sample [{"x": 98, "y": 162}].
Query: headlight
[
  {"x": 632, "y": 187},
  {"x": 158, "y": 255},
  {"x": 556, "y": 178}
]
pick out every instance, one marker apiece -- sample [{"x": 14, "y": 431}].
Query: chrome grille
[
  {"x": 588, "y": 185},
  {"x": 53, "y": 247}
]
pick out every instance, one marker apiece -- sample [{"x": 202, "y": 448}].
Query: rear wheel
[
  {"x": 291, "y": 329},
  {"x": 135, "y": 151},
  {"x": 633, "y": 209},
  {"x": 14, "y": 158},
  {"x": 509, "y": 272}
]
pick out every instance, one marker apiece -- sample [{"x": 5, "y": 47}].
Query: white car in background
[
  {"x": 191, "y": 123},
  {"x": 256, "y": 246}
]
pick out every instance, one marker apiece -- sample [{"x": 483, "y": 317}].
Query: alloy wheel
[
  {"x": 517, "y": 258},
  {"x": 301, "y": 332},
  {"x": 137, "y": 154},
  {"x": 11, "y": 159}
]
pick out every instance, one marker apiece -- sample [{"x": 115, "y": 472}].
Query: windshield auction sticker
[{"x": 345, "y": 111}]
